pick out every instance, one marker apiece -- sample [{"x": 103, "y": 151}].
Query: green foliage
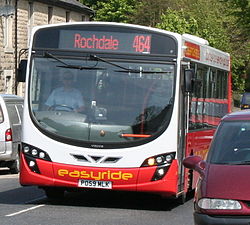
[
  {"x": 242, "y": 12},
  {"x": 115, "y": 11},
  {"x": 148, "y": 12},
  {"x": 112, "y": 10},
  {"x": 177, "y": 21},
  {"x": 92, "y": 3},
  {"x": 238, "y": 68}
]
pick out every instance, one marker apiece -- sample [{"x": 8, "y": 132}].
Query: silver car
[{"x": 11, "y": 109}]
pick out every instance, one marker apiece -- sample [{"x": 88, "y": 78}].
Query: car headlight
[{"x": 223, "y": 204}]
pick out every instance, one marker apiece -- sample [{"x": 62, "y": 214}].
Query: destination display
[{"x": 105, "y": 41}]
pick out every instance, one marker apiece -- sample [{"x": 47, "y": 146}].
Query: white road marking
[
  {"x": 25, "y": 210},
  {"x": 4, "y": 176}
]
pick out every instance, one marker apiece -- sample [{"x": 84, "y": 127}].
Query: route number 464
[{"x": 142, "y": 43}]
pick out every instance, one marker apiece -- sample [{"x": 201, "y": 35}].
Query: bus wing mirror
[
  {"x": 21, "y": 75},
  {"x": 189, "y": 80}
]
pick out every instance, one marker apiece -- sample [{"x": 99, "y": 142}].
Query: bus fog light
[
  {"x": 32, "y": 163},
  {"x": 160, "y": 172}
]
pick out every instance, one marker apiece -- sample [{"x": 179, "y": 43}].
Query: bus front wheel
[{"x": 54, "y": 193}]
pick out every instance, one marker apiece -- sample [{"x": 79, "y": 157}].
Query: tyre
[
  {"x": 54, "y": 193},
  {"x": 182, "y": 198},
  {"x": 14, "y": 166}
]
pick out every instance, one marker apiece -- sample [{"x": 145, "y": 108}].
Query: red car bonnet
[{"x": 227, "y": 182}]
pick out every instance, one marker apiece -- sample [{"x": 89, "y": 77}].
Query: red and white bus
[{"x": 151, "y": 97}]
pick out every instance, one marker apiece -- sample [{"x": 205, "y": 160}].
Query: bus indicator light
[{"x": 151, "y": 161}]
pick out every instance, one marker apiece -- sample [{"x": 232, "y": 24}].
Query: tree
[
  {"x": 242, "y": 12},
  {"x": 116, "y": 10},
  {"x": 177, "y": 21},
  {"x": 92, "y": 3},
  {"x": 149, "y": 12},
  {"x": 113, "y": 10}
]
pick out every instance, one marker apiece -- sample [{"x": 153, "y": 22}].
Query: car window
[
  {"x": 1, "y": 115},
  {"x": 20, "y": 110},
  {"x": 231, "y": 143},
  {"x": 12, "y": 111}
]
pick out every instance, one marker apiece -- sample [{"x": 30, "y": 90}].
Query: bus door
[{"x": 183, "y": 118}]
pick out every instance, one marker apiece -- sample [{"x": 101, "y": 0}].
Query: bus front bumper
[{"x": 125, "y": 179}]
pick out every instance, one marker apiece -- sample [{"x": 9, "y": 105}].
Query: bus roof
[{"x": 198, "y": 49}]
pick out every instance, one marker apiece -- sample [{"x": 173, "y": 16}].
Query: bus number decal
[{"x": 141, "y": 43}]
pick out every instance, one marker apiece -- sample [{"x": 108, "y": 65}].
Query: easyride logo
[{"x": 95, "y": 175}]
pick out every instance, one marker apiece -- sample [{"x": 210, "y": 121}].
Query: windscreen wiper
[
  {"x": 94, "y": 57},
  {"x": 125, "y": 69},
  {"x": 247, "y": 162},
  {"x": 65, "y": 65}
]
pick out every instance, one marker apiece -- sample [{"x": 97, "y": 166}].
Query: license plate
[{"x": 95, "y": 184}]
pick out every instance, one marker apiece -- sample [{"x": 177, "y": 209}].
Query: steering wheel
[{"x": 61, "y": 107}]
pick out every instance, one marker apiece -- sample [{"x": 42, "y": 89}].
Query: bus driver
[{"x": 66, "y": 98}]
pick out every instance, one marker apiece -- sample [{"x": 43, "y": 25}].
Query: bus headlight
[
  {"x": 31, "y": 154},
  {"x": 159, "y": 160},
  {"x": 162, "y": 163},
  {"x": 35, "y": 152},
  {"x": 220, "y": 204}
]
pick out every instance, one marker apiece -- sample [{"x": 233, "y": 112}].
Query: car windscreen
[{"x": 231, "y": 143}]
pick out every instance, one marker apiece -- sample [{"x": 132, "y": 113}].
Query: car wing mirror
[{"x": 196, "y": 163}]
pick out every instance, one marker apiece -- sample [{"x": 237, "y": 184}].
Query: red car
[{"x": 223, "y": 190}]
